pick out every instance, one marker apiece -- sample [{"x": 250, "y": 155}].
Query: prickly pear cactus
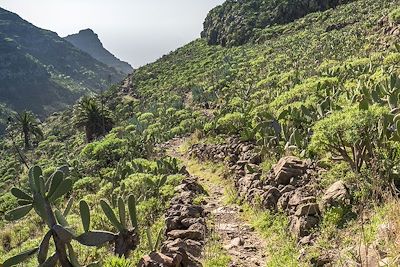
[{"x": 41, "y": 198}]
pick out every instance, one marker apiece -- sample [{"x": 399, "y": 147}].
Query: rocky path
[{"x": 244, "y": 246}]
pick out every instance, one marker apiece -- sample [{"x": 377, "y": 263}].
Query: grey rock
[
  {"x": 336, "y": 194},
  {"x": 307, "y": 209}
]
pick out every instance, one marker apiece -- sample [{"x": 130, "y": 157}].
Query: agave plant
[{"x": 42, "y": 197}]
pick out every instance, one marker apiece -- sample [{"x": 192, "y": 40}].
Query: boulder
[
  {"x": 254, "y": 196},
  {"x": 301, "y": 226},
  {"x": 188, "y": 260},
  {"x": 174, "y": 223},
  {"x": 156, "y": 259},
  {"x": 190, "y": 185},
  {"x": 287, "y": 168},
  {"x": 336, "y": 195},
  {"x": 244, "y": 183},
  {"x": 186, "y": 234},
  {"x": 185, "y": 211},
  {"x": 190, "y": 246},
  {"x": 201, "y": 227},
  {"x": 307, "y": 209},
  {"x": 297, "y": 198},
  {"x": 254, "y": 158},
  {"x": 185, "y": 197},
  {"x": 283, "y": 201},
  {"x": 187, "y": 222},
  {"x": 287, "y": 188},
  {"x": 270, "y": 197}
]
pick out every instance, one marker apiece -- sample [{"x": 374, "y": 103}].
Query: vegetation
[
  {"x": 234, "y": 22},
  {"x": 44, "y": 73},
  {"x": 93, "y": 117},
  {"x": 42, "y": 198},
  {"x": 27, "y": 124},
  {"x": 323, "y": 85}
]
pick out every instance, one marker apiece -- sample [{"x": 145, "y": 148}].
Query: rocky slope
[
  {"x": 88, "y": 41},
  {"x": 42, "y": 72},
  {"x": 235, "y": 22}
]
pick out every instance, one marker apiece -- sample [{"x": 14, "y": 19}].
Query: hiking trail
[{"x": 238, "y": 238}]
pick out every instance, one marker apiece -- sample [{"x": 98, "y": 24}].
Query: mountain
[
  {"x": 294, "y": 137},
  {"x": 88, "y": 41},
  {"x": 41, "y": 71}
]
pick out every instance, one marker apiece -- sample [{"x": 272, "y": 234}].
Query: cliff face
[
  {"x": 234, "y": 22},
  {"x": 89, "y": 42}
]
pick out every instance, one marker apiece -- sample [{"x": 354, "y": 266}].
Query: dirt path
[{"x": 244, "y": 246}]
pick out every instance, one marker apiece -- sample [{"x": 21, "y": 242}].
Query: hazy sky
[{"x": 137, "y": 31}]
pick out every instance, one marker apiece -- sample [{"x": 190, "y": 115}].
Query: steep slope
[
  {"x": 234, "y": 22},
  {"x": 88, "y": 41},
  {"x": 42, "y": 72},
  {"x": 322, "y": 89}
]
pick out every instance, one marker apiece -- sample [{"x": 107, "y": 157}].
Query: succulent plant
[
  {"x": 153, "y": 245},
  {"x": 42, "y": 196},
  {"x": 153, "y": 187}
]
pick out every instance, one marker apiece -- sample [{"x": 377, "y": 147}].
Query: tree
[
  {"x": 352, "y": 134},
  {"x": 28, "y": 125},
  {"x": 93, "y": 118}
]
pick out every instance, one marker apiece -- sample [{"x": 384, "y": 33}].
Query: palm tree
[
  {"x": 93, "y": 118},
  {"x": 28, "y": 125}
]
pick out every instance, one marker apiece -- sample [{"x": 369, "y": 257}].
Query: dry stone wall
[
  {"x": 185, "y": 230},
  {"x": 291, "y": 186}
]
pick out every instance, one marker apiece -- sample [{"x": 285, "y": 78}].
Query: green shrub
[
  {"x": 349, "y": 133},
  {"x": 118, "y": 262},
  {"x": 106, "y": 151},
  {"x": 231, "y": 123},
  {"x": 394, "y": 16},
  {"x": 392, "y": 59},
  {"x": 87, "y": 184}
]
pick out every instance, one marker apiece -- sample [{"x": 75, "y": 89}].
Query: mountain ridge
[
  {"x": 42, "y": 72},
  {"x": 88, "y": 41}
]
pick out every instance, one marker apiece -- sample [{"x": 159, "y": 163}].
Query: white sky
[{"x": 137, "y": 31}]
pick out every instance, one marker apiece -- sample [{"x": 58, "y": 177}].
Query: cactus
[
  {"x": 153, "y": 246},
  {"x": 153, "y": 187},
  {"x": 127, "y": 239},
  {"x": 85, "y": 215},
  {"x": 42, "y": 197}
]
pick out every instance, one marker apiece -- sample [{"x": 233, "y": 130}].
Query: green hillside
[
  {"x": 40, "y": 71},
  {"x": 317, "y": 92}
]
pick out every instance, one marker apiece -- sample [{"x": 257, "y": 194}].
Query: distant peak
[
  {"x": 87, "y": 31},
  {"x": 88, "y": 41}
]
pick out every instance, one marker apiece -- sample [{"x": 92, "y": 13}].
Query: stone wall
[
  {"x": 291, "y": 186},
  {"x": 185, "y": 230}
]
